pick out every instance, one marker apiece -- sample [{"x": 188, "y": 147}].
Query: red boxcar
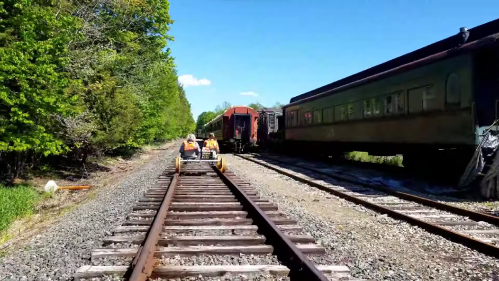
[{"x": 235, "y": 128}]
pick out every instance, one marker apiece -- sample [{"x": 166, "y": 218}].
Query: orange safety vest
[
  {"x": 188, "y": 146},
  {"x": 211, "y": 144}
]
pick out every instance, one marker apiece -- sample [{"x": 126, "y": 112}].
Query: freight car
[
  {"x": 270, "y": 124},
  {"x": 436, "y": 106},
  {"x": 235, "y": 129}
]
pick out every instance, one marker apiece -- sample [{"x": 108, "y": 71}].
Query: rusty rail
[
  {"x": 143, "y": 263},
  {"x": 300, "y": 267},
  {"x": 483, "y": 247}
]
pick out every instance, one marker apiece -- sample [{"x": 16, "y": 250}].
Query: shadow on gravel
[{"x": 355, "y": 179}]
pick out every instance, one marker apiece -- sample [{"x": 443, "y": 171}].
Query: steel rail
[
  {"x": 300, "y": 267},
  {"x": 468, "y": 241},
  {"x": 143, "y": 262},
  {"x": 424, "y": 201}
]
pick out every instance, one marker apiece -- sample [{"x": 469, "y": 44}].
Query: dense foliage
[
  {"x": 16, "y": 202},
  {"x": 207, "y": 116},
  {"x": 85, "y": 76}
]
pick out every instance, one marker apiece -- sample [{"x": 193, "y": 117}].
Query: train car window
[
  {"x": 327, "y": 115},
  {"x": 388, "y": 105},
  {"x": 399, "y": 106},
  {"x": 307, "y": 118},
  {"x": 337, "y": 113},
  {"x": 317, "y": 117},
  {"x": 271, "y": 121},
  {"x": 292, "y": 119},
  {"x": 299, "y": 117},
  {"x": 452, "y": 89},
  {"x": 422, "y": 99},
  {"x": 289, "y": 118},
  {"x": 367, "y": 108},
  {"x": 376, "y": 105},
  {"x": 415, "y": 97},
  {"x": 341, "y": 112},
  {"x": 350, "y": 111},
  {"x": 429, "y": 98}
]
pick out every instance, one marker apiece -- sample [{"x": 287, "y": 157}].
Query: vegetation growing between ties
[{"x": 83, "y": 77}]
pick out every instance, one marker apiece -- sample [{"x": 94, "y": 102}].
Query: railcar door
[
  {"x": 280, "y": 123},
  {"x": 272, "y": 117},
  {"x": 242, "y": 127}
]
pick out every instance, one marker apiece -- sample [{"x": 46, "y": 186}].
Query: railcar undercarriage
[{"x": 472, "y": 169}]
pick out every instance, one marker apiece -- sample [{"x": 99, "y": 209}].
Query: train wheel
[{"x": 177, "y": 164}]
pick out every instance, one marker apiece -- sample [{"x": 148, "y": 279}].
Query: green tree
[
  {"x": 278, "y": 105},
  {"x": 33, "y": 55},
  {"x": 204, "y": 118},
  {"x": 219, "y": 109},
  {"x": 256, "y": 106},
  {"x": 81, "y": 76},
  {"x": 121, "y": 61}
]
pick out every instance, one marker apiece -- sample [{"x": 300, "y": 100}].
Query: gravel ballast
[
  {"x": 63, "y": 247},
  {"x": 374, "y": 246}
]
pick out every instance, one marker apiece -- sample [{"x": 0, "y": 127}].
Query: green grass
[
  {"x": 16, "y": 202},
  {"x": 365, "y": 157}
]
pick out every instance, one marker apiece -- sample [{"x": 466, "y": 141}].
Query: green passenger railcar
[{"x": 432, "y": 111}]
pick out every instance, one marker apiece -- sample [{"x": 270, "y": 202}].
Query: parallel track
[
  {"x": 202, "y": 211},
  {"x": 478, "y": 231}
]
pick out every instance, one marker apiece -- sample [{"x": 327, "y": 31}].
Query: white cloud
[
  {"x": 249, "y": 94},
  {"x": 189, "y": 80}
]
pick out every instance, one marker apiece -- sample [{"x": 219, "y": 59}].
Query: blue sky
[{"x": 268, "y": 51}]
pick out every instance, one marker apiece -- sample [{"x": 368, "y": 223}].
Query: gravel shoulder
[
  {"x": 374, "y": 246},
  {"x": 58, "y": 251}
]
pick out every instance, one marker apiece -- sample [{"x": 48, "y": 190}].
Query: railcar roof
[
  {"x": 221, "y": 114},
  {"x": 270, "y": 110},
  {"x": 476, "y": 33},
  {"x": 492, "y": 40}
]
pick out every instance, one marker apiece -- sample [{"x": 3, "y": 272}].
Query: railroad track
[
  {"x": 475, "y": 230},
  {"x": 200, "y": 221}
]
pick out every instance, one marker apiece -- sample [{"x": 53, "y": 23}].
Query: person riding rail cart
[
  {"x": 212, "y": 143},
  {"x": 190, "y": 149},
  {"x": 210, "y": 148}
]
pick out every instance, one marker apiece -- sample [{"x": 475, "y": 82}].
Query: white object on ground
[{"x": 51, "y": 186}]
